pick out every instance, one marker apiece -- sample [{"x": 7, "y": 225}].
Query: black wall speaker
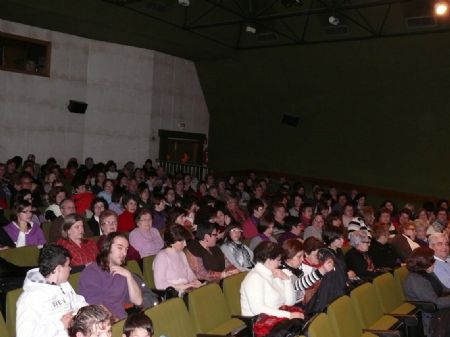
[
  {"x": 77, "y": 107},
  {"x": 290, "y": 120}
]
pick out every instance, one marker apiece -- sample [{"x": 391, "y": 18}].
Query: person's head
[
  {"x": 265, "y": 225},
  {"x": 360, "y": 200},
  {"x": 307, "y": 211},
  {"x": 256, "y": 208},
  {"x": 317, "y": 221},
  {"x": 389, "y": 205},
  {"x": 360, "y": 240},
  {"x": 334, "y": 219},
  {"x": 98, "y": 205},
  {"x": 138, "y": 325},
  {"x": 175, "y": 237},
  {"x": 22, "y": 211},
  {"x": 420, "y": 260},
  {"x": 169, "y": 195},
  {"x": 268, "y": 253},
  {"x": 368, "y": 214},
  {"x": 348, "y": 210},
  {"x": 26, "y": 181},
  {"x": 113, "y": 251},
  {"x": 56, "y": 195},
  {"x": 293, "y": 224},
  {"x": 158, "y": 202},
  {"x": 130, "y": 202},
  {"x": 421, "y": 229},
  {"x": 409, "y": 229},
  {"x": 310, "y": 247},
  {"x": 439, "y": 243},
  {"x": 206, "y": 234},
  {"x": 54, "y": 263},
  {"x": 384, "y": 215},
  {"x": 404, "y": 216},
  {"x": 441, "y": 215},
  {"x": 380, "y": 232},
  {"x": 67, "y": 207},
  {"x": 293, "y": 253},
  {"x": 108, "y": 222},
  {"x": 91, "y": 321},
  {"x": 144, "y": 192},
  {"x": 72, "y": 228},
  {"x": 233, "y": 233},
  {"x": 279, "y": 212},
  {"x": 108, "y": 186},
  {"x": 79, "y": 185},
  {"x": 333, "y": 236},
  {"x": 143, "y": 218}
]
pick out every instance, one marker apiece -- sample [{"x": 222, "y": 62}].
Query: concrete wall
[{"x": 131, "y": 93}]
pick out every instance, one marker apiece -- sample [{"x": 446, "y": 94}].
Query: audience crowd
[{"x": 301, "y": 250}]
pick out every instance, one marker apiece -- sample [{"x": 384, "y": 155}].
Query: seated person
[
  {"x": 138, "y": 325},
  {"x": 265, "y": 230},
  {"x": 422, "y": 285},
  {"x": 293, "y": 227},
  {"x": 206, "y": 259},
  {"x": 83, "y": 251},
  {"x": 170, "y": 267},
  {"x": 256, "y": 210},
  {"x": 145, "y": 238},
  {"x": 358, "y": 259},
  {"x": 107, "y": 282},
  {"x": 404, "y": 242},
  {"x": 159, "y": 213},
  {"x": 315, "y": 229},
  {"x": 82, "y": 197},
  {"x": 439, "y": 243},
  {"x": 266, "y": 287},
  {"x": 381, "y": 251},
  {"x": 98, "y": 205},
  {"x": 90, "y": 321},
  {"x": 234, "y": 250},
  {"x": 55, "y": 197},
  {"x": 108, "y": 224},
  {"x": 48, "y": 302},
  {"x": 126, "y": 218},
  {"x": 311, "y": 247},
  {"x": 22, "y": 231}
]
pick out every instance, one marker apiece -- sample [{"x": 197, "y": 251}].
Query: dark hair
[
  {"x": 254, "y": 204},
  {"x": 311, "y": 244},
  {"x": 88, "y": 317},
  {"x": 265, "y": 222},
  {"x": 204, "y": 228},
  {"x": 135, "y": 321},
  {"x": 127, "y": 197},
  {"x": 331, "y": 233},
  {"x": 291, "y": 247},
  {"x": 51, "y": 256},
  {"x": 291, "y": 221},
  {"x": 174, "y": 234},
  {"x": 69, "y": 221},
  {"x": 54, "y": 192},
  {"x": 267, "y": 250},
  {"x": 231, "y": 226},
  {"x": 174, "y": 213},
  {"x": 304, "y": 206},
  {"x": 19, "y": 206},
  {"x": 105, "y": 250},
  {"x": 97, "y": 200},
  {"x": 20, "y": 195},
  {"x": 140, "y": 212},
  {"x": 420, "y": 259},
  {"x": 117, "y": 193}
]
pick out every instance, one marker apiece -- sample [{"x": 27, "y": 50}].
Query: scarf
[{"x": 240, "y": 254}]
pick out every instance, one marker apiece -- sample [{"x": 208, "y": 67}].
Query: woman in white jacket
[
  {"x": 48, "y": 302},
  {"x": 266, "y": 288}
]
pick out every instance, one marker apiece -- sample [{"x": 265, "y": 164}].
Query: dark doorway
[{"x": 181, "y": 147}]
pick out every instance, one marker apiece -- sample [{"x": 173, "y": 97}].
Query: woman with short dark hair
[
  {"x": 422, "y": 285},
  {"x": 234, "y": 250}
]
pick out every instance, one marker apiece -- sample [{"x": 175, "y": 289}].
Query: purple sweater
[
  {"x": 101, "y": 287},
  {"x": 34, "y": 236}
]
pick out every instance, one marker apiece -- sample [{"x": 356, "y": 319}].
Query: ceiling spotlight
[
  {"x": 184, "y": 3},
  {"x": 441, "y": 8},
  {"x": 334, "y": 20},
  {"x": 250, "y": 29}
]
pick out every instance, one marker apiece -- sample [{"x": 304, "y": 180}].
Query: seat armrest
[
  {"x": 407, "y": 319},
  {"x": 249, "y": 321},
  {"x": 384, "y": 333},
  {"x": 424, "y": 306}
]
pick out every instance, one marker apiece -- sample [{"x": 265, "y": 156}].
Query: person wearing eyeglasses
[
  {"x": 22, "y": 231},
  {"x": 235, "y": 250},
  {"x": 207, "y": 260},
  {"x": 358, "y": 259},
  {"x": 404, "y": 242}
]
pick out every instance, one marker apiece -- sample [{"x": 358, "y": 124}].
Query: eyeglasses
[{"x": 236, "y": 230}]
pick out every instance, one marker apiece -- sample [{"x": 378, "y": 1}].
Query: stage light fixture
[{"x": 441, "y": 8}]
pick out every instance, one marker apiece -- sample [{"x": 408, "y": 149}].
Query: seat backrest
[
  {"x": 321, "y": 327},
  {"x": 342, "y": 316},
  {"x": 3, "y": 329},
  {"x": 207, "y": 307},
  {"x": 11, "y": 300},
  {"x": 133, "y": 266},
  {"x": 232, "y": 291},
  {"x": 74, "y": 279},
  {"x": 117, "y": 328},
  {"x": 22, "y": 256},
  {"x": 400, "y": 276},
  {"x": 387, "y": 292},
  {"x": 171, "y": 318},
  {"x": 365, "y": 301},
  {"x": 147, "y": 266},
  {"x": 46, "y": 230}
]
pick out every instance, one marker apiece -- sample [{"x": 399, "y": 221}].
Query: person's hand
[
  {"x": 297, "y": 315},
  {"x": 351, "y": 274},
  {"x": 66, "y": 319},
  {"x": 278, "y": 273},
  {"x": 327, "y": 266},
  {"x": 195, "y": 284},
  {"x": 120, "y": 271}
]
